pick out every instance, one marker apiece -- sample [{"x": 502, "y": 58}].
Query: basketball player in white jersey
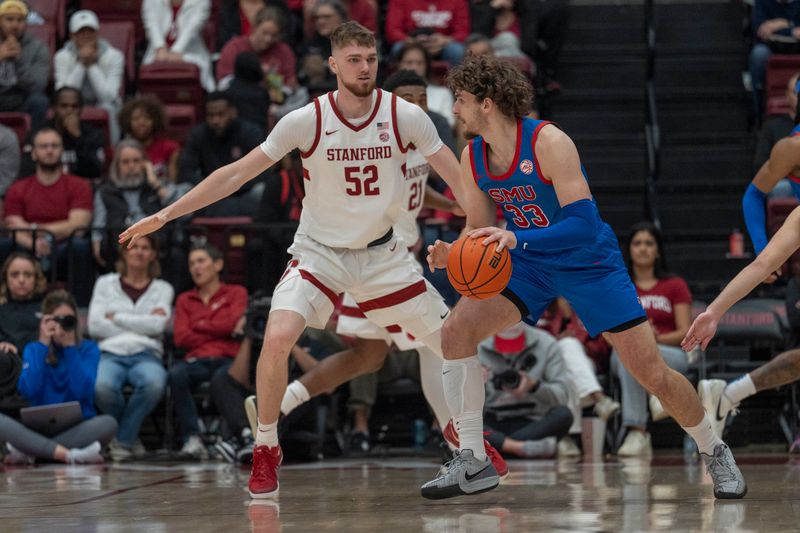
[
  {"x": 353, "y": 143},
  {"x": 371, "y": 346}
]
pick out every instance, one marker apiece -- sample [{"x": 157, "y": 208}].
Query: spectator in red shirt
[
  {"x": 667, "y": 301},
  {"x": 207, "y": 319},
  {"x": 440, "y": 26},
  {"x": 277, "y": 59},
  {"x": 143, "y": 118},
  {"x": 55, "y": 204}
]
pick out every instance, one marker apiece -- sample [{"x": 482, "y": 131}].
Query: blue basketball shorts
[{"x": 593, "y": 279}]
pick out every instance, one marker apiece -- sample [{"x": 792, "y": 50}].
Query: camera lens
[{"x": 67, "y": 322}]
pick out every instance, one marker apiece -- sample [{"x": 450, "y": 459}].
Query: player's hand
[
  {"x": 504, "y": 238},
  {"x": 144, "y": 227},
  {"x": 772, "y": 278},
  {"x": 437, "y": 255},
  {"x": 701, "y": 332}
]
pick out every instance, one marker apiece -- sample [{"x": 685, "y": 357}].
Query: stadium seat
[
  {"x": 232, "y": 244},
  {"x": 180, "y": 120},
  {"x": 54, "y": 12},
  {"x": 19, "y": 122},
  {"x": 45, "y": 33},
  {"x": 118, "y": 11},
  {"x": 121, "y": 35},
  {"x": 780, "y": 68},
  {"x": 173, "y": 83}
]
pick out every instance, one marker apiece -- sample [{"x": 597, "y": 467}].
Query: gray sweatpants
[
  {"x": 101, "y": 428},
  {"x": 634, "y": 397}
]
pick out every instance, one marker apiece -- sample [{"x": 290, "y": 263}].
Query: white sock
[
  {"x": 296, "y": 394},
  {"x": 267, "y": 435},
  {"x": 463, "y": 390},
  {"x": 430, "y": 371},
  {"x": 704, "y": 436},
  {"x": 738, "y": 390},
  {"x": 89, "y": 454}
]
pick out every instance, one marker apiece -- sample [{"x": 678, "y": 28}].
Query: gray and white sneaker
[
  {"x": 728, "y": 480},
  {"x": 465, "y": 475},
  {"x": 716, "y": 402}
]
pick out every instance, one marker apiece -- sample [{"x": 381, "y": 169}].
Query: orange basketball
[{"x": 478, "y": 271}]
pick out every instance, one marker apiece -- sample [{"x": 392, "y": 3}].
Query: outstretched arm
[
  {"x": 783, "y": 244},
  {"x": 219, "y": 184}
]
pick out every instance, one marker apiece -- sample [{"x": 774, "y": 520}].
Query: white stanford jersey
[
  {"x": 416, "y": 172},
  {"x": 354, "y": 178}
]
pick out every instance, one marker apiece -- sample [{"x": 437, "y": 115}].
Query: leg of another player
[
  {"x": 364, "y": 357},
  {"x": 430, "y": 375},
  {"x": 639, "y": 353}
]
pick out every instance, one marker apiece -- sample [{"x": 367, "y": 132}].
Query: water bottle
[
  {"x": 736, "y": 243},
  {"x": 420, "y": 434}
]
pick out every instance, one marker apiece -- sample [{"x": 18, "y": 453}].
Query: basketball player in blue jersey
[
  {"x": 559, "y": 246},
  {"x": 783, "y": 162},
  {"x": 718, "y": 397}
]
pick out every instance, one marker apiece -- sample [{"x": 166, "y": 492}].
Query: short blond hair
[{"x": 351, "y": 32}]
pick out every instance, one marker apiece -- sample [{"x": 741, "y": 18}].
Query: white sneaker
[
  {"x": 16, "y": 457},
  {"x": 715, "y": 402},
  {"x": 138, "y": 449},
  {"x": 194, "y": 447},
  {"x": 118, "y": 452},
  {"x": 636, "y": 444},
  {"x": 657, "y": 411},
  {"x": 567, "y": 448},
  {"x": 605, "y": 408}
]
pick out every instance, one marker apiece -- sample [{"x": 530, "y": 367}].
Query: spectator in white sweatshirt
[
  {"x": 92, "y": 66},
  {"x": 128, "y": 315},
  {"x": 174, "y": 31}
]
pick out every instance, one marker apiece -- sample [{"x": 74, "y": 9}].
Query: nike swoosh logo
[
  {"x": 476, "y": 474},
  {"x": 446, "y": 371},
  {"x": 445, "y": 314},
  {"x": 330, "y": 132},
  {"x": 719, "y": 418},
  {"x": 393, "y": 247}
]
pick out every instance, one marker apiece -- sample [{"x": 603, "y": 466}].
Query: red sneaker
[
  {"x": 451, "y": 436},
  {"x": 264, "y": 475}
]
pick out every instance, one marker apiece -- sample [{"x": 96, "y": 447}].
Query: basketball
[{"x": 478, "y": 271}]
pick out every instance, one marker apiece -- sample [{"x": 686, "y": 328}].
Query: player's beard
[
  {"x": 358, "y": 90},
  {"x": 479, "y": 124}
]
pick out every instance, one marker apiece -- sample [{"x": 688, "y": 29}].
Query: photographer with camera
[
  {"x": 59, "y": 367},
  {"x": 527, "y": 391},
  {"x": 209, "y": 325}
]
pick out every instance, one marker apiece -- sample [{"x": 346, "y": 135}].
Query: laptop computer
[{"x": 50, "y": 420}]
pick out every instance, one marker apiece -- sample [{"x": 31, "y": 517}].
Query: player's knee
[
  {"x": 457, "y": 341},
  {"x": 371, "y": 354},
  {"x": 278, "y": 342}
]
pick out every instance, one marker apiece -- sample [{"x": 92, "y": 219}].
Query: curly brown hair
[
  {"x": 151, "y": 105},
  {"x": 496, "y": 79},
  {"x": 351, "y": 32}
]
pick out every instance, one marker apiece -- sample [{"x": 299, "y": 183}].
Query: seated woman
[
  {"x": 667, "y": 301},
  {"x": 144, "y": 119},
  {"x": 128, "y": 314},
  {"x": 207, "y": 320},
  {"x": 59, "y": 367},
  {"x": 22, "y": 287}
]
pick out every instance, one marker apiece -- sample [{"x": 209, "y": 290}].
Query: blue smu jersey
[
  {"x": 527, "y": 198},
  {"x": 794, "y": 181}
]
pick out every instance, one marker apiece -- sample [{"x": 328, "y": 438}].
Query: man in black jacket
[
  {"x": 220, "y": 140},
  {"x": 84, "y": 145}
]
